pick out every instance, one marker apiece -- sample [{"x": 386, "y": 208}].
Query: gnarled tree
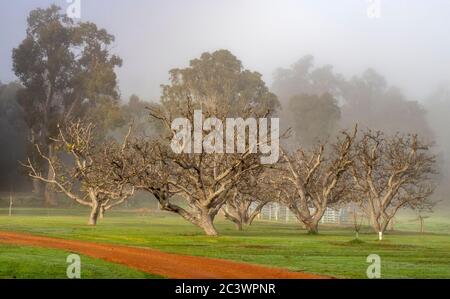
[
  {"x": 143, "y": 164},
  {"x": 310, "y": 180},
  {"x": 390, "y": 173},
  {"x": 203, "y": 181},
  {"x": 216, "y": 85},
  {"x": 247, "y": 199},
  {"x": 83, "y": 170}
]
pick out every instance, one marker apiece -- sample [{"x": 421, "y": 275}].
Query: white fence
[{"x": 280, "y": 213}]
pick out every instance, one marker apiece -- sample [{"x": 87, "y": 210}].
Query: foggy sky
[{"x": 409, "y": 43}]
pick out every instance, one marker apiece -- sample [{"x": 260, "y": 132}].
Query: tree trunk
[
  {"x": 252, "y": 217},
  {"x": 308, "y": 219},
  {"x": 238, "y": 220},
  {"x": 312, "y": 227},
  {"x": 201, "y": 217},
  {"x": 95, "y": 212},
  {"x": 383, "y": 227},
  {"x": 256, "y": 213},
  {"x": 37, "y": 187},
  {"x": 10, "y": 204},
  {"x": 102, "y": 212},
  {"x": 49, "y": 194},
  {"x": 377, "y": 226},
  {"x": 311, "y": 224},
  {"x": 206, "y": 223},
  {"x": 36, "y": 183},
  {"x": 380, "y": 229}
]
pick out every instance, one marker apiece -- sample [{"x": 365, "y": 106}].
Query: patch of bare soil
[{"x": 157, "y": 262}]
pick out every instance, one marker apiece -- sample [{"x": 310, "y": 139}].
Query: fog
[
  {"x": 406, "y": 42},
  {"x": 409, "y": 42}
]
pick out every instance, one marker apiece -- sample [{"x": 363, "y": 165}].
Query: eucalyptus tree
[{"x": 67, "y": 71}]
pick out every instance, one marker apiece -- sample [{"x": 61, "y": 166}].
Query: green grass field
[
  {"x": 32, "y": 262},
  {"x": 404, "y": 254}
]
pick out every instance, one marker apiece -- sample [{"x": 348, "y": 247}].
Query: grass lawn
[
  {"x": 33, "y": 262},
  {"x": 403, "y": 254}
]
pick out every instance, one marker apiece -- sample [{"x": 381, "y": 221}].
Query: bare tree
[
  {"x": 311, "y": 180},
  {"x": 217, "y": 85},
  {"x": 247, "y": 199},
  {"x": 82, "y": 170},
  {"x": 421, "y": 219},
  {"x": 390, "y": 173},
  {"x": 203, "y": 181},
  {"x": 142, "y": 163},
  {"x": 357, "y": 220}
]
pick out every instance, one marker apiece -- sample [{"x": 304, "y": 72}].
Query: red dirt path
[{"x": 155, "y": 261}]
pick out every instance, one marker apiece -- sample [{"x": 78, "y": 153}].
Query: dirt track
[{"x": 156, "y": 262}]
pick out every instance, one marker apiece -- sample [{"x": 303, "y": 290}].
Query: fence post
[{"x": 10, "y": 203}]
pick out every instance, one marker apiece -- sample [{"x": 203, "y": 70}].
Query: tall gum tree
[{"x": 67, "y": 72}]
